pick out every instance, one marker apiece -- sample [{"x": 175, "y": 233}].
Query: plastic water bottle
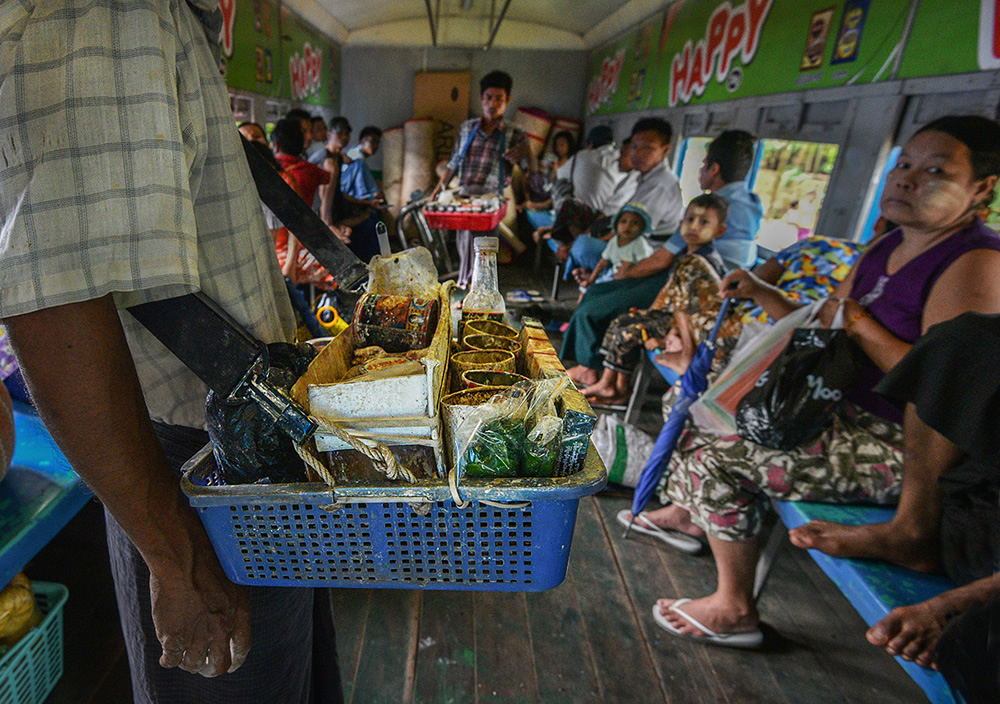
[{"x": 484, "y": 299}]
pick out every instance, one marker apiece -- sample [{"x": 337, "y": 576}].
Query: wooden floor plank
[
  {"x": 389, "y": 643},
  {"x": 505, "y": 666},
  {"x": 350, "y": 618},
  {"x": 686, "y": 672},
  {"x": 446, "y": 649},
  {"x": 625, "y": 671},
  {"x": 856, "y": 668},
  {"x": 564, "y": 667}
]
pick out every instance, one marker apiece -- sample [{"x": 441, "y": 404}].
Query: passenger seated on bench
[
  {"x": 692, "y": 289},
  {"x": 940, "y": 263},
  {"x": 954, "y": 389},
  {"x": 628, "y": 245}
]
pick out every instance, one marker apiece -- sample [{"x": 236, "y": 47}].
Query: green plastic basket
[{"x": 30, "y": 670}]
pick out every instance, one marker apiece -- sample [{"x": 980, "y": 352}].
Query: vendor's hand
[
  {"x": 653, "y": 344},
  {"x": 434, "y": 194},
  {"x": 202, "y": 619},
  {"x": 562, "y": 253},
  {"x": 740, "y": 284},
  {"x": 517, "y": 152}
]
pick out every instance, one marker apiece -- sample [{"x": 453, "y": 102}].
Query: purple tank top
[{"x": 897, "y": 301}]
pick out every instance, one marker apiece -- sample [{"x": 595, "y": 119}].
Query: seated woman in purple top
[{"x": 941, "y": 262}]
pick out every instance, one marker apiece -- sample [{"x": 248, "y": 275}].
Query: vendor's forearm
[
  {"x": 657, "y": 262},
  {"x": 84, "y": 384}
]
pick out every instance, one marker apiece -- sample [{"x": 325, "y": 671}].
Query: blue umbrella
[{"x": 693, "y": 384}]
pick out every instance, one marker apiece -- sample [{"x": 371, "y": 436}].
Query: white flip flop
[
  {"x": 743, "y": 639},
  {"x": 675, "y": 539}
]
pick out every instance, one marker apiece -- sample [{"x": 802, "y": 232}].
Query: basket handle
[
  {"x": 380, "y": 455},
  {"x": 464, "y": 503}
]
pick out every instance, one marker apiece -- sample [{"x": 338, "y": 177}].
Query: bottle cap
[{"x": 486, "y": 244}]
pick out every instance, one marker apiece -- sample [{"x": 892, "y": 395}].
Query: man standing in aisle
[
  {"x": 484, "y": 154},
  {"x": 129, "y": 187}
]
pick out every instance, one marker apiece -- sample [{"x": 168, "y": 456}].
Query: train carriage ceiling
[{"x": 525, "y": 24}]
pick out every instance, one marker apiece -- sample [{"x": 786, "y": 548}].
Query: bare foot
[
  {"x": 610, "y": 400},
  {"x": 873, "y": 541},
  {"x": 714, "y": 611},
  {"x": 672, "y": 517},
  {"x": 583, "y": 376},
  {"x": 601, "y": 388},
  {"x": 911, "y": 632}
]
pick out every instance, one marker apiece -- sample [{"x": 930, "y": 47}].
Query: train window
[
  {"x": 868, "y": 229},
  {"x": 689, "y": 163},
  {"x": 791, "y": 181}
]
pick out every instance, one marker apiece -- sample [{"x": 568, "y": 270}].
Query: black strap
[{"x": 299, "y": 218}]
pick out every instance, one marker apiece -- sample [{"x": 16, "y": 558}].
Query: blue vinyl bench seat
[
  {"x": 39, "y": 495},
  {"x": 874, "y": 588}
]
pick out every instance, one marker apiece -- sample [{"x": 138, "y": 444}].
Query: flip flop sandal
[
  {"x": 674, "y": 538},
  {"x": 743, "y": 639}
]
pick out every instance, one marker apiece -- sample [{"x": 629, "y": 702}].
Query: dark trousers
[
  {"x": 968, "y": 653},
  {"x": 291, "y": 628}
]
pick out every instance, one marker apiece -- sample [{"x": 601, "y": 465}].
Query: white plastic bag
[{"x": 623, "y": 448}]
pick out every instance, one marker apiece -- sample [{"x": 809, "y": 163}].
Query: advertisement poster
[
  {"x": 819, "y": 31},
  {"x": 849, "y": 35},
  {"x": 620, "y": 71}
]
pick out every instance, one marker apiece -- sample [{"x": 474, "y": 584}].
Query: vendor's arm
[
  {"x": 744, "y": 284},
  {"x": 601, "y": 266},
  {"x": 912, "y": 631},
  {"x": 84, "y": 384},
  {"x": 658, "y": 261},
  {"x": 448, "y": 173}
]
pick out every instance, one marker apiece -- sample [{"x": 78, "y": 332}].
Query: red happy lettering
[
  {"x": 735, "y": 34},
  {"x": 716, "y": 37},
  {"x": 228, "y": 8},
  {"x": 679, "y": 73},
  {"x": 757, "y": 11},
  {"x": 697, "y": 77}
]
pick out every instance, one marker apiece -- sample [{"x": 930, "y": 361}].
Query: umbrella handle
[{"x": 718, "y": 321}]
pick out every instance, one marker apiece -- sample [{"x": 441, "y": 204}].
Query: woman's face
[
  {"x": 562, "y": 147},
  {"x": 932, "y": 185}
]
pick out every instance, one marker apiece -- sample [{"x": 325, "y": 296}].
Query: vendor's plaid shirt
[
  {"x": 479, "y": 171},
  {"x": 123, "y": 174}
]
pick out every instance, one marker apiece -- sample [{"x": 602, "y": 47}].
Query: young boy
[
  {"x": 629, "y": 245},
  {"x": 485, "y": 151},
  {"x": 683, "y": 312}
]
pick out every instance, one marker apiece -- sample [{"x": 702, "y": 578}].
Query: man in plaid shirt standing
[
  {"x": 484, "y": 154},
  {"x": 123, "y": 181}
]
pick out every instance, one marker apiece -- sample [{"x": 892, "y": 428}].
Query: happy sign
[
  {"x": 730, "y": 32},
  {"x": 306, "y": 71}
]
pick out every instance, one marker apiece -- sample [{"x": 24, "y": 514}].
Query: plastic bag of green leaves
[
  {"x": 544, "y": 429},
  {"x": 496, "y": 441}
]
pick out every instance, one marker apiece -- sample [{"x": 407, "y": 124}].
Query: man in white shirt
[{"x": 658, "y": 190}]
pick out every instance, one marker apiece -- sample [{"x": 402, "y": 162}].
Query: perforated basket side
[
  {"x": 31, "y": 669},
  {"x": 386, "y": 544}
]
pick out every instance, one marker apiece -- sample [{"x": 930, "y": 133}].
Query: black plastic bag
[
  {"x": 247, "y": 445},
  {"x": 793, "y": 398}
]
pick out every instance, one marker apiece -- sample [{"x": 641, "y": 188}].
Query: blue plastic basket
[
  {"x": 309, "y": 535},
  {"x": 32, "y": 667}
]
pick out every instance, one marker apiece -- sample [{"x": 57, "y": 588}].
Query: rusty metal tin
[{"x": 395, "y": 323}]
